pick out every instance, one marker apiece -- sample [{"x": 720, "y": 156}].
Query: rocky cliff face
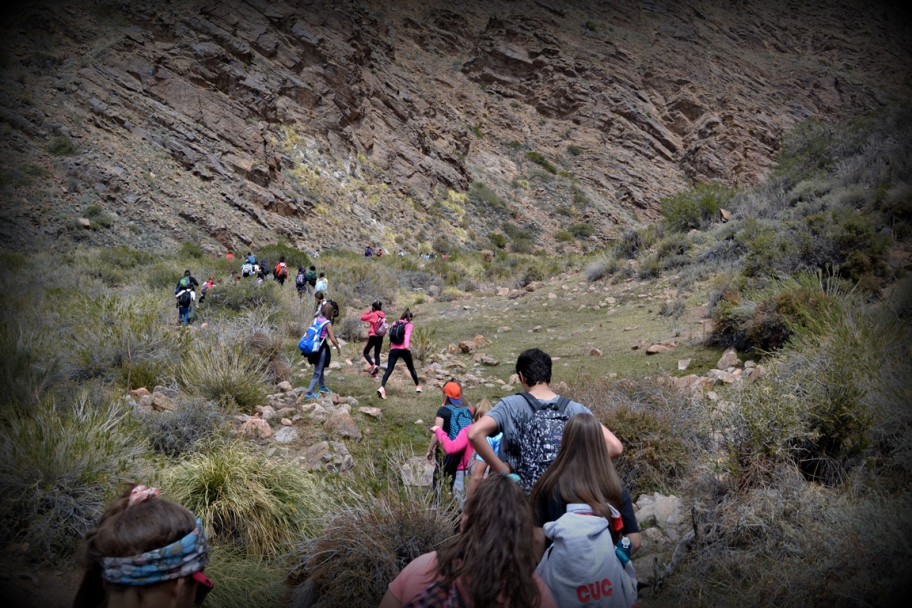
[{"x": 239, "y": 122}]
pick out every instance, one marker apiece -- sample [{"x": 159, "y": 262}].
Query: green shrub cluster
[
  {"x": 539, "y": 159},
  {"x": 481, "y": 195},
  {"x": 694, "y": 209}
]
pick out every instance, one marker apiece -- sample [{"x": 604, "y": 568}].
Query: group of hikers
[{"x": 545, "y": 519}]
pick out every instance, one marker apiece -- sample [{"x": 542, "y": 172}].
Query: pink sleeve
[
  {"x": 408, "y": 336},
  {"x": 415, "y": 577},
  {"x": 367, "y": 316},
  {"x": 451, "y": 446}
]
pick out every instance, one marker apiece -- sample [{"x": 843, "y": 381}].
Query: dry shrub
[
  {"x": 658, "y": 426},
  {"x": 365, "y": 546},
  {"x": 268, "y": 346},
  {"x": 244, "y": 499}
]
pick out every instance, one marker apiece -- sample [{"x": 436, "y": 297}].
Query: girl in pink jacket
[
  {"x": 375, "y": 318},
  {"x": 400, "y": 341}
]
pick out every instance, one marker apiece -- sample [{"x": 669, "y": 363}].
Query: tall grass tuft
[
  {"x": 243, "y": 581},
  {"x": 246, "y": 500},
  {"x": 227, "y": 374},
  {"x": 365, "y": 545},
  {"x": 59, "y": 466},
  {"x": 193, "y": 422}
]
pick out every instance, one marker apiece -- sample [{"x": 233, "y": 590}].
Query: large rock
[
  {"x": 417, "y": 471},
  {"x": 341, "y": 424},
  {"x": 286, "y": 434},
  {"x": 330, "y": 456},
  {"x": 162, "y": 403},
  {"x": 728, "y": 359},
  {"x": 256, "y": 428}
]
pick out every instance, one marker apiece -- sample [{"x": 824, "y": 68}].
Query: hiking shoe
[
  {"x": 382, "y": 392},
  {"x": 325, "y": 389},
  {"x": 374, "y": 370},
  {"x": 375, "y": 374},
  {"x": 311, "y": 396},
  {"x": 418, "y": 389}
]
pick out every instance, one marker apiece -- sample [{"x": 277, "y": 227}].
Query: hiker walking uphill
[
  {"x": 185, "y": 294},
  {"x": 315, "y": 346},
  {"x": 400, "y": 334},
  {"x": 377, "y": 328},
  {"x": 453, "y": 419},
  {"x": 531, "y": 423},
  {"x": 280, "y": 272},
  {"x": 322, "y": 284}
]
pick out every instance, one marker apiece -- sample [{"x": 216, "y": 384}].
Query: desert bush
[
  {"x": 660, "y": 429},
  {"x": 602, "y": 267},
  {"x": 365, "y": 545},
  {"x": 115, "y": 335},
  {"x": 192, "y": 423},
  {"x": 267, "y": 345},
  {"x": 350, "y": 329},
  {"x": 27, "y": 367},
  {"x": 242, "y": 581},
  {"x": 582, "y": 230},
  {"x": 246, "y": 294},
  {"x": 244, "y": 499},
  {"x": 694, "y": 208},
  {"x": 62, "y": 146},
  {"x": 498, "y": 240},
  {"x": 672, "y": 308},
  {"x": 424, "y": 342},
  {"x": 650, "y": 267},
  {"x": 224, "y": 373},
  {"x": 59, "y": 466},
  {"x": 764, "y": 320},
  {"x": 563, "y": 236},
  {"x": 482, "y": 196}
]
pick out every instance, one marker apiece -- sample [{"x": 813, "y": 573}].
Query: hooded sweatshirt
[{"x": 600, "y": 580}]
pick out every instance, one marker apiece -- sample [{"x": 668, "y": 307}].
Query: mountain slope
[{"x": 237, "y": 123}]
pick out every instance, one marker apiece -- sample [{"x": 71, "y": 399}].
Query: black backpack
[
  {"x": 397, "y": 332},
  {"x": 312, "y": 278},
  {"x": 540, "y": 439},
  {"x": 184, "y": 298}
]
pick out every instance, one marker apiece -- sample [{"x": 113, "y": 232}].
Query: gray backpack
[{"x": 540, "y": 438}]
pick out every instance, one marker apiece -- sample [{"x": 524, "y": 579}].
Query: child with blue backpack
[
  {"x": 452, "y": 422},
  {"x": 322, "y": 355}
]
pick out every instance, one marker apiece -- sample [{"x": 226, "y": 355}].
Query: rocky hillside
[{"x": 235, "y": 123}]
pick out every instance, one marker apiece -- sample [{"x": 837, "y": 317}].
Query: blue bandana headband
[{"x": 179, "y": 559}]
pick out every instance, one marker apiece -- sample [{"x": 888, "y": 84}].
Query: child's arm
[{"x": 452, "y": 446}]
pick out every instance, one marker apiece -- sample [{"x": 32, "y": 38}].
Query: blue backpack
[{"x": 311, "y": 341}]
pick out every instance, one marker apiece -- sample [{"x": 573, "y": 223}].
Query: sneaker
[
  {"x": 382, "y": 392},
  {"x": 325, "y": 389},
  {"x": 418, "y": 389},
  {"x": 375, "y": 374},
  {"x": 311, "y": 396}
]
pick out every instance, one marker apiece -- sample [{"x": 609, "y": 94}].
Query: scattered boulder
[
  {"x": 660, "y": 347},
  {"x": 330, "y": 456},
  {"x": 373, "y": 412},
  {"x": 286, "y": 434},
  {"x": 683, "y": 364},
  {"x": 162, "y": 403},
  {"x": 285, "y": 386},
  {"x": 341, "y": 424},
  {"x": 417, "y": 471},
  {"x": 267, "y": 412},
  {"x": 729, "y": 359},
  {"x": 256, "y": 428},
  {"x": 466, "y": 347},
  {"x": 138, "y": 393},
  {"x": 480, "y": 341},
  {"x": 595, "y": 352}
]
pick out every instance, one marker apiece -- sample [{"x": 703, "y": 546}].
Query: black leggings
[
  {"x": 373, "y": 342},
  {"x": 395, "y": 354}
]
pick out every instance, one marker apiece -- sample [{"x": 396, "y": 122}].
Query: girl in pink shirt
[{"x": 400, "y": 350}]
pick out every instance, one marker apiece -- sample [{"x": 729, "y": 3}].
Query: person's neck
[{"x": 541, "y": 391}]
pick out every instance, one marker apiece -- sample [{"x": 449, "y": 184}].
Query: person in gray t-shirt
[{"x": 509, "y": 416}]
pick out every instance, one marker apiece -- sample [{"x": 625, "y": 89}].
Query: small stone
[{"x": 285, "y": 386}]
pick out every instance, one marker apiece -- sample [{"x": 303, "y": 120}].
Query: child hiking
[
  {"x": 280, "y": 272},
  {"x": 400, "y": 334},
  {"x": 322, "y": 357},
  {"x": 450, "y": 429},
  {"x": 377, "y": 325}
]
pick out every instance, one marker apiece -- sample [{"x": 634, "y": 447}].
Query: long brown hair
[
  {"x": 123, "y": 532},
  {"x": 493, "y": 555},
  {"x": 583, "y": 471}
]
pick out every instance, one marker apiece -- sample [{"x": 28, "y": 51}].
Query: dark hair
[
  {"x": 282, "y": 258},
  {"x": 378, "y": 305},
  {"x": 535, "y": 366},
  {"x": 123, "y": 532},
  {"x": 313, "y": 267},
  {"x": 322, "y": 274},
  {"x": 493, "y": 555},
  {"x": 335, "y": 307},
  {"x": 583, "y": 471},
  {"x": 187, "y": 273},
  {"x": 406, "y": 316}
]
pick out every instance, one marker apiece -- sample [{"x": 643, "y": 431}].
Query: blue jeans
[
  {"x": 319, "y": 368},
  {"x": 182, "y": 312}
]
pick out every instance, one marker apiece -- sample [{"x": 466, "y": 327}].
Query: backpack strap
[{"x": 536, "y": 405}]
